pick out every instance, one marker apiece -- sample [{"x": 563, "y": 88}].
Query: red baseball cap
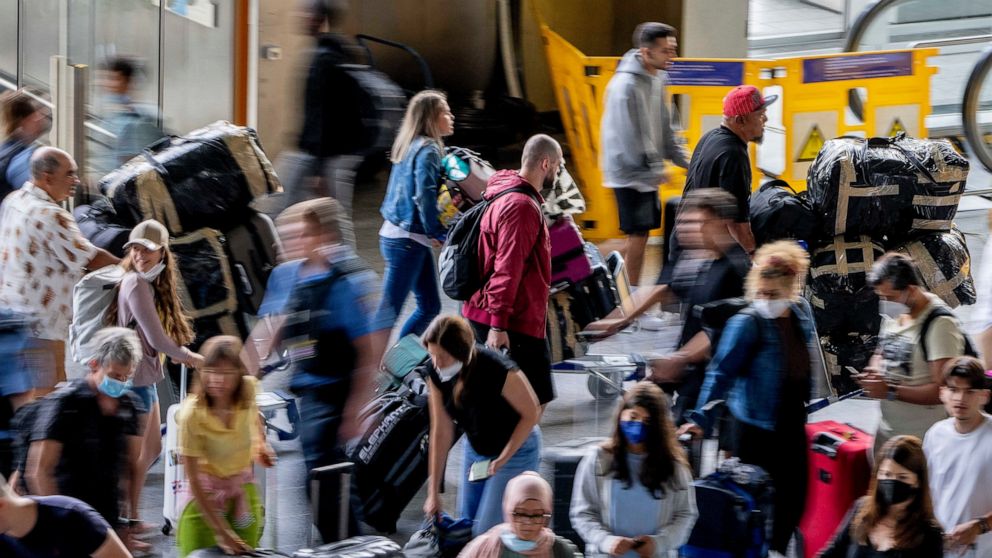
[{"x": 745, "y": 99}]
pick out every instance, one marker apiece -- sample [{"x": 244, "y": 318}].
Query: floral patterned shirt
[{"x": 42, "y": 257}]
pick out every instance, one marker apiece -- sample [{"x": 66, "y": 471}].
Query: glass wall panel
[{"x": 8, "y": 42}]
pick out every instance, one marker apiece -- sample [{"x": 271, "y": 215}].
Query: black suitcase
[
  {"x": 594, "y": 297},
  {"x": 97, "y": 222},
  {"x": 734, "y": 513},
  {"x": 355, "y": 547},
  {"x": 559, "y": 464},
  {"x": 252, "y": 249},
  {"x": 391, "y": 457}
]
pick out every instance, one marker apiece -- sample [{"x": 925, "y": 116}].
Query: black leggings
[{"x": 782, "y": 454}]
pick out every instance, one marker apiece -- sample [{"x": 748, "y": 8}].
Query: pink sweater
[{"x": 136, "y": 304}]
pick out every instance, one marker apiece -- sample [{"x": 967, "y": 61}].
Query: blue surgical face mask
[
  {"x": 515, "y": 543},
  {"x": 114, "y": 388},
  {"x": 633, "y": 431}
]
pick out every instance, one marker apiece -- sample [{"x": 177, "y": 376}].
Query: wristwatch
[
  {"x": 891, "y": 395},
  {"x": 983, "y": 524}
]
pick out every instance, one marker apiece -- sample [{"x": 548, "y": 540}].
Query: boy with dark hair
[{"x": 959, "y": 457}]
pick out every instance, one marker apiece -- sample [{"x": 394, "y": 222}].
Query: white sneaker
[{"x": 651, "y": 323}]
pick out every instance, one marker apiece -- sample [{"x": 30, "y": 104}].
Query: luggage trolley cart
[{"x": 607, "y": 373}]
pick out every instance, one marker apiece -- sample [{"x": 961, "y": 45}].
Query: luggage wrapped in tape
[
  {"x": 886, "y": 187},
  {"x": 839, "y": 352},
  {"x": 945, "y": 266},
  {"x": 206, "y": 178},
  {"x": 838, "y": 288}
]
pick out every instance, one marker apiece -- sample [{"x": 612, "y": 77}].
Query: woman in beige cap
[{"x": 148, "y": 301}]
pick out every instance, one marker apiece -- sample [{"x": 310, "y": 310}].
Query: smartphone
[
  {"x": 854, "y": 371},
  {"x": 479, "y": 470},
  {"x": 638, "y": 544}
]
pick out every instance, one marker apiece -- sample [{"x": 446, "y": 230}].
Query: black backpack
[
  {"x": 777, "y": 212},
  {"x": 458, "y": 265},
  {"x": 7, "y": 155}
]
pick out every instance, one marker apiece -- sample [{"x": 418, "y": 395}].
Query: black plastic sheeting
[
  {"x": 945, "y": 265},
  {"x": 854, "y": 350},
  {"x": 98, "y": 223},
  {"x": 202, "y": 178},
  {"x": 837, "y": 286},
  {"x": 886, "y": 188},
  {"x": 778, "y": 212},
  {"x": 202, "y": 268}
]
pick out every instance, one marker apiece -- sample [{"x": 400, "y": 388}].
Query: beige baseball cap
[{"x": 151, "y": 234}]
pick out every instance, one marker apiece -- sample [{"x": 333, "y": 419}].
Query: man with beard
[
  {"x": 510, "y": 309},
  {"x": 721, "y": 160}
]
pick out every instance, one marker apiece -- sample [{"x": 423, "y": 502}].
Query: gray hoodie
[{"x": 636, "y": 134}]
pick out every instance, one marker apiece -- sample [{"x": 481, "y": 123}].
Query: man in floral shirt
[{"x": 42, "y": 257}]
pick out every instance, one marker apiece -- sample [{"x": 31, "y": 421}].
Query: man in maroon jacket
[{"x": 515, "y": 255}]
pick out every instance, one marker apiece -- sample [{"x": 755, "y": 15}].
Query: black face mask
[{"x": 892, "y": 491}]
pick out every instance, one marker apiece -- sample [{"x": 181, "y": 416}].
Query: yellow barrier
[{"x": 812, "y": 108}]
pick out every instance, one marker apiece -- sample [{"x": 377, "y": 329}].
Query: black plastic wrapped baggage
[
  {"x": 838, "y": 289},
  {"x": 886, "y": 187},
  {"x": 842, "y": 351},
  {"x": 945, "y": 265},
  {"x": 778, "y": 212},
  {"x": 207, "y": 286},
  {"x": 206, "y": 178},
  {"x": 98, "y": 223},
  {"x": 252, "y": 250}
]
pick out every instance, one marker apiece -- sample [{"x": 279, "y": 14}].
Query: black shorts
[
  {"x": 532, "y": 355},
  {"x": 640, "y": 212}
]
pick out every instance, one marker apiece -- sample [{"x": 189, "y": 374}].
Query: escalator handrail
[
  {"x": 969, "y": 108},
  {"x": 864, "y": 21}
]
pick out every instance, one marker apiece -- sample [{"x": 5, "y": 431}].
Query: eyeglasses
[{"x": 539, "y": 518}]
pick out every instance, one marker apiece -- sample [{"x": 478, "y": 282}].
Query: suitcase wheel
[
  {"x": 601, "y": 389},
  {"x": 167, "y": 528}
]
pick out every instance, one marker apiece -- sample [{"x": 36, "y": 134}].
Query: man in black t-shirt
[
  {"x": 86, "y": 433},
  {"x": 721, "y": 159},
  {"x": 45, "y": 526},
  {"x": 710, "y": 267}
]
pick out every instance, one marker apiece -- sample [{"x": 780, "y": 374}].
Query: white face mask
[
  {"x": 771, "y": 308},
  {"x": 892, "y": 309},
  {"x": 448, "y": 372},
  {"x": 153, "y": 273}
]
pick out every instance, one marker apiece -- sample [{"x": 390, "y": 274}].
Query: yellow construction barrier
[{"x": 894, "y": 87}]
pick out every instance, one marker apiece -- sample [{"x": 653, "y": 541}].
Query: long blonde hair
[
  {"x": 168, "y": 304},
  {"x": 421, "y": 119}
]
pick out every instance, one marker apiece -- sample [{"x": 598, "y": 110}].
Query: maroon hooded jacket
[{"x": 515, "y": 255}]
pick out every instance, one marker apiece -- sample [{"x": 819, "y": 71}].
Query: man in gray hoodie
[{"x": 637, "y": 138}]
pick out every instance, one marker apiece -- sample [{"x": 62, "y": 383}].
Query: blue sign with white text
[
  {"x": 688, "y": 72},
  {"x": 865, "y": 66}
]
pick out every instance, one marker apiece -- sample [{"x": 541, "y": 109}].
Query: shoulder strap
[{"x": 937, "y": 312}]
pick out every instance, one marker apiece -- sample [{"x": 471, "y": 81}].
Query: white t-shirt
[
  {"x": 903, "y": 363},
  {"x": 960, "y": 468}
]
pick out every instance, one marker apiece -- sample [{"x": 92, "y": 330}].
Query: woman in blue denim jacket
[
  {"x": 411, "y": 226},
  {"x": 767, "y": 366}
]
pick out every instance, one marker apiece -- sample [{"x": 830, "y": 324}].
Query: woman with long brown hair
[
  {"x": 896, "y": 517},
  {"x": 633, "y": 495},
  {"x": 220, "y": 436},
  {"x": 148, "y": 302},
  {"x": 411, "y": 225}
]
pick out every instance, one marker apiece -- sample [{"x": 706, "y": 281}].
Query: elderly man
[
  {"x": 42, "y": 256},
  {"x": 85, "y": 432}
]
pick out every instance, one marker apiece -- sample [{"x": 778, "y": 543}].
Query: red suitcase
[
  {"x": 838, "y": 475},
  {"x": 568, "y": 256}
]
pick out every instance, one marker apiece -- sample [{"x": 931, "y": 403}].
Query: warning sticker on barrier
[
  {"x": 720, "y": 74},
  {"x": 866, "y": 66},
  {"x": 811, "y": 147},
  {"x": 896, "y": 128}
]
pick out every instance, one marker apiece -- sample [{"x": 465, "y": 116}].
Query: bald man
[
  {"x": 42, "y": 257},
  {"x": 515, "y": 251}
]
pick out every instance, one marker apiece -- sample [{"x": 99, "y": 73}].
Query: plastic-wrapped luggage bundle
[
  {"x": 945, "y": 266},
  {"x": 98, "y": 223},
  {"x": 838, "y": 289},
  {"x": 206, "y": 178},
  {"x": 886, "y": 187},
  {"x": 841, "y": 351}
]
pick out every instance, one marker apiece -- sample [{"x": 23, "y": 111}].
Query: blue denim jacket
[
  {"x": 411, "y": 197},
  {"x": 747, "y": 371}
]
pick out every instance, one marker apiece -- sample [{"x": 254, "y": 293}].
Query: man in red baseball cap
[{"x": 721, "y": 159}]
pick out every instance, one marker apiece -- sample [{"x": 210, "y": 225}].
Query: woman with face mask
[
  {"x": 527, "y": 505},
  {"x": 488, "y": 397},
  {"x": 148, "y": 302},
  {"x": 633, "y": 495},
  {"x": 896, "y": 518},
  {"x": 767, "y": 365}
]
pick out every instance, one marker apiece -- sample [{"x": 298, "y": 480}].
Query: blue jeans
[
  {"x": 482, "y": 501},
  {"x": 409, "y": 266}
]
